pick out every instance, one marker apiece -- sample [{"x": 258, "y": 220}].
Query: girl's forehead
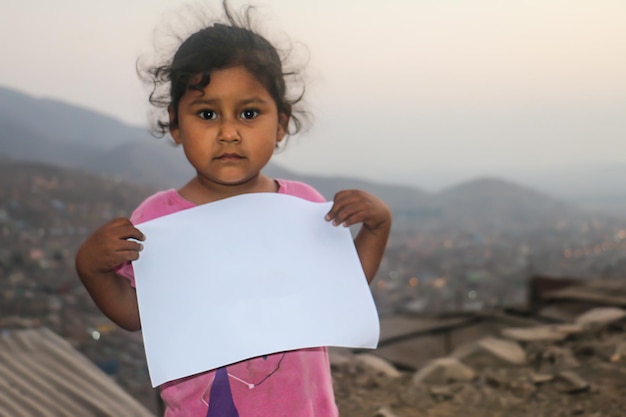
[
  {"x": 237, "y": 77},
  {"x": 235, "y": 82}
]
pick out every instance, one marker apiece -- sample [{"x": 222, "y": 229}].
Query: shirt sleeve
[{"x": 302, "y": 190}]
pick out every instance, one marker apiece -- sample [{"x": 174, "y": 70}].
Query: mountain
[
  {"x": 156, "y": 162},
  {"x": 39, "y": 195},
  {"x": 51, "y": 131},
  {"x": 73, "y": 137},
  {"x": 492, "y": 203},
  {"x": 396, "y": 196},
  {"x": 21, "y": 141},
  {"x": 594, "y": 186},
  {"x": 63, "y": 124},
  {"x": 487, "y": 196}
]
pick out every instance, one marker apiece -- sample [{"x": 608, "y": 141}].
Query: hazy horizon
[{"x": 419, "y": 93}]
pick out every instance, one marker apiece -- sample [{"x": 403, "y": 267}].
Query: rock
[
  {"x": 521, "y": 387},
  {"x": 378, "y": 364},
  {"x": 506, "y": 350},
  {"x": 573, "y": 383},
  {"x": 441, "y": 392},
  {"x": 533, "y": 334},
  {"x": 467, "y": 394},
  {"x": 620, "y": 352},
  {"x": 569, "y": 328},
  {"x": 443, "y": 371},
  {"x": 539, "y": 379},
  {"x": 601, "y": 316},
  {"x": 558, "y": 358},
  {"x": 385, "y": 412},
  {"x": 541, "y": 333},
  {"x": 493, "y": 379}
]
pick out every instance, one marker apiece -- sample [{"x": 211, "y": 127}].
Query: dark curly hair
[{"x": 221, "y": 45}]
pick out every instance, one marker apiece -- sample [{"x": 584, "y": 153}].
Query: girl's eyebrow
[
  {"x": 202, "y": 100},
  {"x": 253, "y": 100},
  {"x": 214, "y": 101}
]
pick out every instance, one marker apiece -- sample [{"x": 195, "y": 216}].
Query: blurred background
[
  {"x": 494, "y": 130},
  {"x": 426, "y": 94}
]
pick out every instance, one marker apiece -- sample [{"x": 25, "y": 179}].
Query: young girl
[{"x": 228, "y": 107}]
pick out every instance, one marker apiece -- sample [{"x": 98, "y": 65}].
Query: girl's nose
[{"x": 228, "y": 133}]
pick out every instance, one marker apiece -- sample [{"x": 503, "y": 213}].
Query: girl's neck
[{"x": 201, "y": 192}]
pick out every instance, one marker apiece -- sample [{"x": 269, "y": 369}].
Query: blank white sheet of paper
[{"x": 247, "y": 276}]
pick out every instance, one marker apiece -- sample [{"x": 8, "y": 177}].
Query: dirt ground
[
  {"x": 477, "y": 399},
  {"x": 597, "y": 389},
  {"x": 582, "y": 375}
]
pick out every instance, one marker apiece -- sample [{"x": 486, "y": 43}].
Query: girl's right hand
[
  {"x": 108, "y": 247},
  {"x": 96, "y": 260}
]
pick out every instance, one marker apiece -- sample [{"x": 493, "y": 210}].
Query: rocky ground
[
  {"x": 558, "y": 370},
  {"x": 582, "y": 374}
]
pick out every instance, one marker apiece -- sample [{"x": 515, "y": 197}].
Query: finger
[
  {"x": 129, "y": 255},
  {"x": 334, "y": 212},
  {"x": 347, "y": 196},
  {"x": 116, "y": 259},
  {"x": 341, "y": 200},
  {"x": 348, "y": 214},
  {"x": 131, "y": 232},
  {"x": 129, "y": 245},
  {"x": 353, "y": 218},
  {"x": 123, "y": 228}
]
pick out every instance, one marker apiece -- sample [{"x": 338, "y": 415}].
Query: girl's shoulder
[
  {"x": 160, "y": 204},
  {"x": 300, "y": 189}
]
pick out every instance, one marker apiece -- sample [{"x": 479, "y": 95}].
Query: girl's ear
[
  {"x": 283, "y": 125},
  {"x": 174, "y": 130}
]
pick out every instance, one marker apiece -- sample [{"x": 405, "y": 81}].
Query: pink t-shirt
[{"x": 296, "y": 383}]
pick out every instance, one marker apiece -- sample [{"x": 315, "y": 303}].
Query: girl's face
[{"x": 229, "y": 133}]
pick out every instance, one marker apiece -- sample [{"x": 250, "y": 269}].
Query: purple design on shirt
[{"x": 221, "y": 402}]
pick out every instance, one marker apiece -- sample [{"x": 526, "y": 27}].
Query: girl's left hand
[{"x": 356, "y": 206}]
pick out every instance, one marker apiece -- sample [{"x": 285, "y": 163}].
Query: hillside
[
  {"x": 64, "y": 124},
  {"x": 489, "y": 202},
  {"x": 26, "y": 184},
  {"x": 51, "y": 131},
  {"x": 46, "y": 212},
  {"x": 396, "y": 196},
  {"x": 481, "y": 193},
  {"x": 73, "y": 137}
]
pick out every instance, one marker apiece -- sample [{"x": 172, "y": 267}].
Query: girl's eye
[
  {"x": 249, "y": 114},
  {"x": 207, "y": 115}
]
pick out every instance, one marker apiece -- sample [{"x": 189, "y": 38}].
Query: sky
[{"x": 419, "y": 92}]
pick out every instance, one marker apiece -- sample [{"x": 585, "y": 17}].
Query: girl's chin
[{"x": 231, "y": 180}]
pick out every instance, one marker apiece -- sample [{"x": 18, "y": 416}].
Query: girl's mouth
[{"x": 229, "y": 157}]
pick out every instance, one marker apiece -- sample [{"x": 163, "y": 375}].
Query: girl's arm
[
  {"x": 96, "y": 261},
  {"x": 356, "y": 206}
]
